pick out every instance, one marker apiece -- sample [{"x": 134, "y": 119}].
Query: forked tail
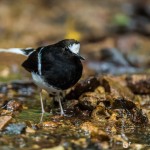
[{"x": 21, "y": 51}]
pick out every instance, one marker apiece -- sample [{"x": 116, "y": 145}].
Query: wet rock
[
  {"x": 139, "y": 146},
  {"x": 139, "y": 84},
  {"x": 116, "y": 87},
  {"x": 3, "y": 100},
  {"x": 100, "y": 114},
  {"x": 4, "y": 121},
  {"x": 70, "y": 107},
  {"x": 84, "y": 144},
  {"x": 71, "y": 104},
  {"x": 19, "y": 141},
  {"x": 54, "y": 148},
  {"x": 15, "y": 128},
  {"x": 118, "y": 95},
  {"x": 30, "y": 130},
  {"x": 82, "y": 113},
  {"x": 4, "y": 112},
  {"x": 100, "y": 91},
  {"x": 14, "y": 105},
  {"x": 121, "y": 103},
  {"x": 87, "y": 85},
  {"x": 89, "y": 127},
  {"x": 94, "y": 131},
  {"x": 88, "y": 100},
  {"x": 51, "y": 124},
  {"x": 144, "y": 101},
  {"x": 56, "y": 118},
  {"x": 121, "y": 98},
  {"x": 138, "y": 117},
  {"x": 120, "y": 140}
]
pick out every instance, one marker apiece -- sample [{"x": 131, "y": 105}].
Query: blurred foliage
[
  {"x": 71, "y": 31},
  {"x": 121, "y": 20}
]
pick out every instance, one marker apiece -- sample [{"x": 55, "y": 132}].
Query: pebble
[{"x": 4, "y": 120}]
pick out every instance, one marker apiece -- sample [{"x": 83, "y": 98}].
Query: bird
[{"x": 54, "y": 68}]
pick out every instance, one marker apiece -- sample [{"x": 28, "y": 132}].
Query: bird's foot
[{"x": 62, "y": 113}]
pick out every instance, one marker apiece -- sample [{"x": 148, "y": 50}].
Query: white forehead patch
[{"x": 74, "y": 48}]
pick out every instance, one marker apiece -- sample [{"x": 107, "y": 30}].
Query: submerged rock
[
  {"x": 15, "y": 128},
  {"x": 94, "y": 131},
  {"x": 100, "y": 114}
]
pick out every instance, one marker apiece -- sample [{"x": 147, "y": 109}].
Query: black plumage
[
  {"x": 59, "y": 67},
  {"x": 54, "y": 68}
]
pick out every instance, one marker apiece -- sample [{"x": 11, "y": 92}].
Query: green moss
[{"x": 121, "y": 20}]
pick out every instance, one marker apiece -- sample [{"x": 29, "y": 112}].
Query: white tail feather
[
  {"x": 12, "y": 50},
  {"x": 17, "y": 51}
]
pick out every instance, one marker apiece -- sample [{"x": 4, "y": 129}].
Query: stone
[{"x": 4, "y": 121}]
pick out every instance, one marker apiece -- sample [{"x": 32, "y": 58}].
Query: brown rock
[
  {"x": 94, "y": 131},
  {"x": 50, "y": 124},
  {"x": 4, "y": 120},
  {"x": 100, "y": 91},
  {"x": 114, "y": 87},
  {"x": 89, "y": 127},
  {"x": 87, "y": 85},
  {"x": 89, "y": 100},
  {"x": 30, "y": 130},
  {"x": 121, "y": 103},
  {"x": 99, "y": 114},
  {"x": 118, "y": 95},
  {"x": 139, "y": 84},
  {"x": 138, "y": 117},
  {"x": 14, "y": 105},
  {"x": 70, "y": 104},
  {"x": 5, "y": 112}
]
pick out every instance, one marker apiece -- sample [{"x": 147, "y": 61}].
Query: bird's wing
[{"x": 31, "y": 63}]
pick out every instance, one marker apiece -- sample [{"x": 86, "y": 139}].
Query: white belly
[{"x": 43, "y": 85}]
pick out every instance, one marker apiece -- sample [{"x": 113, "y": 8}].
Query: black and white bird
[{"x": 54, "y": 68}]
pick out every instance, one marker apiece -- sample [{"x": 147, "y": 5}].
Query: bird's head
[{"x": 71, "y": 45}]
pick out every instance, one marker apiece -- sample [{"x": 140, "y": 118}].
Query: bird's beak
[{"x": 82, "y": 58}]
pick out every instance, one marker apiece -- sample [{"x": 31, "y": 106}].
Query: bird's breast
[{"x": 62, "y": 73}]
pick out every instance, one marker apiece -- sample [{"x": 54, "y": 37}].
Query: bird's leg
[
  {"x": 41, "y": 119},
  {"x": 60, "y": 105},
  {"x": 42, "y": 105}
]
